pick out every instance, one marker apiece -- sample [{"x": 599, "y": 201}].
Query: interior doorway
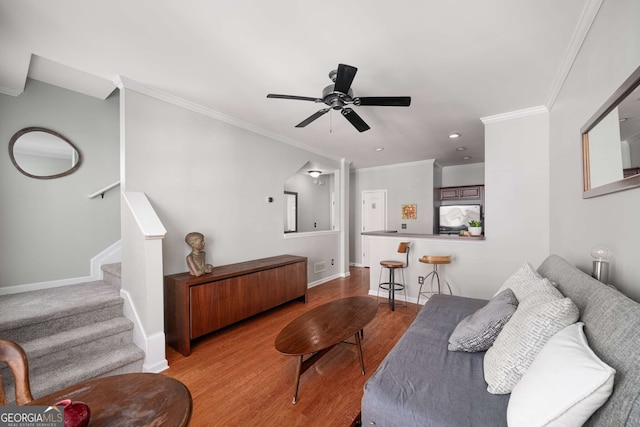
[{"x": 374, "y": 217}]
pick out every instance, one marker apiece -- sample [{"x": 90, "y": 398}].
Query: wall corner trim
[{"x": 578, "y": 37}]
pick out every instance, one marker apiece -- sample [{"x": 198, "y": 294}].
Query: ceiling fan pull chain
[{"x": 330, "y": 121}]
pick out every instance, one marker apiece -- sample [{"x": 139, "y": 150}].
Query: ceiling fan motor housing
[{"x": 334, "y": 99}]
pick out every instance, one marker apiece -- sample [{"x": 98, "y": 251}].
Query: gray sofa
[{"x": 421, "y": 383}]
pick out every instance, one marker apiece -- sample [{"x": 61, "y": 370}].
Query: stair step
[
  {"x": 44, "y": 381},
  {"x": 112, "y": 274},
  {"x": 31, "y": 315},
  {"x": 77, "y": 340},
  {"x": 83, "y": 368}
]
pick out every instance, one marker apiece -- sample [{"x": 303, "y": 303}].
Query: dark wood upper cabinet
[{"x": 469, "y": 192}]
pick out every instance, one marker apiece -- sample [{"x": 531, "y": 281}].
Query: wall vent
[{"x": 319, "y": 267}]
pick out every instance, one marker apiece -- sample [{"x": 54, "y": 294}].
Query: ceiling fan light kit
[{"x": 339, "y": 96}]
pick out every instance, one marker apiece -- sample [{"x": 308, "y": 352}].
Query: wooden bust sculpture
[{"x": 196, "y": 259}]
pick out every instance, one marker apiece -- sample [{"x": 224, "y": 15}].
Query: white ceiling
[{"x": 459, "y": 61}]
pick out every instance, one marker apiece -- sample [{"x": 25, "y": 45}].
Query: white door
[{"x": 374, "y": 217}]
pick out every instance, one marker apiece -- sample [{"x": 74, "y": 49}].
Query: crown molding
[
  {"x": 580, "y": 33},
  {"x": 123, "y": 82},
  {"x": 395, "y": 165},
  {"x": 11, "y": 91},
  {"x": 515, "y": 114}
]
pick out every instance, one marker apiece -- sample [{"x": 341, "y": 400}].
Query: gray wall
[
  {"x": 406, "y": 183},
  {"x": 610, "y": 53},
  {"x": 49, "y": 229},
  {"x": 454, "y": 176},
  {"x": 203, "y": 174}
]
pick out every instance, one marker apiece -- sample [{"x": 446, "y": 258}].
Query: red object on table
[{"x": 76, "y": 414}]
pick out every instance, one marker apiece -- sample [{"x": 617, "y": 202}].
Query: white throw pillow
[
  {"x": 564, "y": 385},
  {"x": 522, "y": 281},
  {"x": 536, "y": 319}
]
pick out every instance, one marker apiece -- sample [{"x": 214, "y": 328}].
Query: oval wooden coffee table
[
  {"x": 138, "y": 399},
  {"x": 320, "y": 329}
]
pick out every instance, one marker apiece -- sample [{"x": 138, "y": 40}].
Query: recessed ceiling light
[
  {"x": 623, "y": 119},
  {"x": 466, "y": 157},
  {"x": 461, "y": 148},
  {"x": 454, "y": 135},
  {"x": 379, "y": 148}
]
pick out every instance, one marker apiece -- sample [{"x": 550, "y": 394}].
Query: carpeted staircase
[{"x": 70, "y": 334}]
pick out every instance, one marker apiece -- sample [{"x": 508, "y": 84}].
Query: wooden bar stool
[
  {"x": 392, "y": 286},
  {"x": 435, "y": 260}
]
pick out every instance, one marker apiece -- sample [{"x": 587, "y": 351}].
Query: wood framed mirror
[
  {"x": 43, "y": 153},
  {"x": 611, "y": 142}
]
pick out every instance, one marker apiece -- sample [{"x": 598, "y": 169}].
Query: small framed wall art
[{"x": 410, "y": 211}]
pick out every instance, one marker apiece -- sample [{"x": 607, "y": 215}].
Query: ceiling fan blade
[
  {"x": 344, "y": 78},
  {"x": 312, "y": 117},
  {"x": 355, "y": 120},
  {"x": 384, "y": 101},
  {"x": 299, "y": 98}
]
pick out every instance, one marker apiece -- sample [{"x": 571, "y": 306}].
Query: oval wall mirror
[
  {"x": 43, "y": 154},
  {"x": 611, "y": 142}
]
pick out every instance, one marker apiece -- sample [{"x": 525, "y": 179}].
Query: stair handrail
[{"x": 104, "y": 190}]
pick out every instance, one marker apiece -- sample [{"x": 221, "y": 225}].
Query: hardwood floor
[{"x": 237, "y": 378}]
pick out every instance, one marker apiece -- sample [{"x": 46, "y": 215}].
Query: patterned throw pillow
[
  {"x": 536, "y": 320},
  {"x": 478, "y": 331},
  {"x": 522, "y": 282}
]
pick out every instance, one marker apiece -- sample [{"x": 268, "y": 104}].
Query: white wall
[
  {"x": 49, "y": 229},
  {"x": 203, "y": 174},
  {"x": 406, "y": 183},
  {"x": 459, "y": 175},
  {"x": 516, "y": 191},
  {"x": 610, "y": 53}
]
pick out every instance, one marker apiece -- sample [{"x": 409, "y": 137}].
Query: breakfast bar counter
[
  {"x": 467, "y": 259},
  {"x": 448, "y": 237}
]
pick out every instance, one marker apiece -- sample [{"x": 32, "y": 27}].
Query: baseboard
[
  {"x": 155, "y": 361},
  {"x": 398, "y": 297},
  {"x": 324, "y": 280},
  {"x": 110, "y": 255},
  {"x": 44, "y": 285},
  {"x": 153, "y": 345}
]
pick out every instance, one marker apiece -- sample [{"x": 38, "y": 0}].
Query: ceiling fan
[{"x": 339, "y": 96}]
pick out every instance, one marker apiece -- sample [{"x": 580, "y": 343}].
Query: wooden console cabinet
[{"x": 195, "y": 306}]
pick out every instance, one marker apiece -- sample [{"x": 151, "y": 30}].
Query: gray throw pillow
[{"x": 478, "y": 331}]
